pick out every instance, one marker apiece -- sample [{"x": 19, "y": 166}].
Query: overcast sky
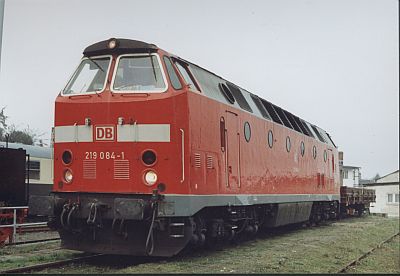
[{"x": 334, "y": 63}]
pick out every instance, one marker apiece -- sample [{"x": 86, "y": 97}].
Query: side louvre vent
[
  {"x": 197, "y": 160},
  {"x": 89, "y": 169},
  {"x": 210, "y": 162},
  {"x": 121, "y": 169}
]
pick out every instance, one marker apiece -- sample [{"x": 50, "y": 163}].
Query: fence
[{"x": 15, "y": 225}]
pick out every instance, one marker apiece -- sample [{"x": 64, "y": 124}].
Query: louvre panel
[
  {"x": 89, "y": 169},
  {"x": 210, "y": 162},
  {"x": 197, "y": 160},
  {"x": 121, "y": 169}
]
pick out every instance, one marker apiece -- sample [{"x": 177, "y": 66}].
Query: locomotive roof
[
  {"x": 121, "y": 46},
  {"x": 33, "y": 151}
]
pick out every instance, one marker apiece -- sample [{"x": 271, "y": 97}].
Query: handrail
[
  {"x": 183, "y": 154},
  {"x": 24, "y": 224},
  {"x": 12, "y": 208}
]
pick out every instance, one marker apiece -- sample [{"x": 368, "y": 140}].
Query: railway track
[
  {"x": 359, "y": 258},
  {"x": 30, "y": 229},
  {"x": 59, "y": 263},
  {"x": 29, "y": 242}
]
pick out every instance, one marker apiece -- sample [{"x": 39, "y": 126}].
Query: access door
[{"x": 232, "y": 152}]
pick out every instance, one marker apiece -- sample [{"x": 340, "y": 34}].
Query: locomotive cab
[{"x": 119, "y": 143}]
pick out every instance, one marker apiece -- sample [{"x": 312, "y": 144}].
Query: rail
[
  {"x": 42, "y": 266},
  {"x": 359, "y": 258},
  {"x": 15, "y": 225}
]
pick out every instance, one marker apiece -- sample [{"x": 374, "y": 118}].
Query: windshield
[
  {"x": 139, "y": 74},
  {"x": 89, "y": 77}
]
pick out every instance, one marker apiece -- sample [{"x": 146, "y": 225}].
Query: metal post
[
  {"x": 1, "y": 25},
  {"x": 14, "y": 225}
]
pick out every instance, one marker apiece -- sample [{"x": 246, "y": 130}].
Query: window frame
[
  {"x": 30, "y": 170},
  {"x": 261, "y": 108},
  {"x": 288, "y": 144},
  {"x": 165, "y": 57},
  {"x": 75, "y": 72},
  {"x": 247, "y": 134},
  {"x": 270, "y": 141},
  {"x": 239, "y": 97},
  {"x": 189, "y": 72},
  {"x": 142, "y": 91},
  {"x": 388, "y": 196},
  {"x": 302, "y": 148},
  {"x": 272, "y": 112}
]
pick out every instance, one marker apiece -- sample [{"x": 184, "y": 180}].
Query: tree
[
  {"x": 3, "y": 124},
  {"x": 376, "y": 177},
  {"x": 19, "y": 136},
  {"x": 25, "y": 136}
]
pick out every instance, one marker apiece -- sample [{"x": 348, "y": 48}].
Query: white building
[
  {"x": 387, "y": 195},
  {"x": 350, "y": 176}
]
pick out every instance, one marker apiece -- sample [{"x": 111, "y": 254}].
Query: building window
[
  {"x": 34, "y": 169},
  {"x": 393, "y": 198},
  {"x": 345, "y": 174}
]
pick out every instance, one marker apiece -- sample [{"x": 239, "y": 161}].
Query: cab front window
[
  {"x": 89, "y": 77},
  {"x": 140, "y": 74}
]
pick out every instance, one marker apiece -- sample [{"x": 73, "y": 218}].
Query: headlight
[
  {"x": 68, "y": 176},
  {"x": 150, "y": 178}
]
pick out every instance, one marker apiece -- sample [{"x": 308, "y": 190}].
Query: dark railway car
[
  {"x": 39, "y": 168},
  {"x": 153, "y": 153},
  {"x": 355, "y": 200},
  {"x": 13, "y": 188}
]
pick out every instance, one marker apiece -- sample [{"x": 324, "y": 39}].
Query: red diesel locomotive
[{"x": 153, "y": 153}]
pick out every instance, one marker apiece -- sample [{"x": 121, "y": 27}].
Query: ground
[{"x": 321, "y": 249}]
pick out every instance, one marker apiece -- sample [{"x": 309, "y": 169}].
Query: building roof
[
  {"x": 33, "y": 151},
  {"x": 350, "y": 167},
  {"x": 365, "y": 181},
  {"x": 381, "y": 184},
  {"x": 388, "y": 174}
]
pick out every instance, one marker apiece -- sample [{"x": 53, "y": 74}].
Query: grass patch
[
  {"x": 25, "y": 255},
  {"x": 322, "y": 249}
]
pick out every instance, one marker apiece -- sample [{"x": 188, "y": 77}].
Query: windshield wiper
[
  {"x": 95, "y": 63},
  {"x": 152, "y": 65}
]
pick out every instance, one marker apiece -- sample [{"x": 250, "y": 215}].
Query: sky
[{"x": 334, "y": 63}]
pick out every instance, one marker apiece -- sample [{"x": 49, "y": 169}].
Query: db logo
[{"x": 104, "y": 133}]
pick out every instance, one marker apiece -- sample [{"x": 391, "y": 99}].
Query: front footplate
[{"x": 118, "y": 224}]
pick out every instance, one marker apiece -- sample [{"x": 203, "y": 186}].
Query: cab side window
[
  {"x": 172, "y": 74},
  {"x": 184, "y": 71}
]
